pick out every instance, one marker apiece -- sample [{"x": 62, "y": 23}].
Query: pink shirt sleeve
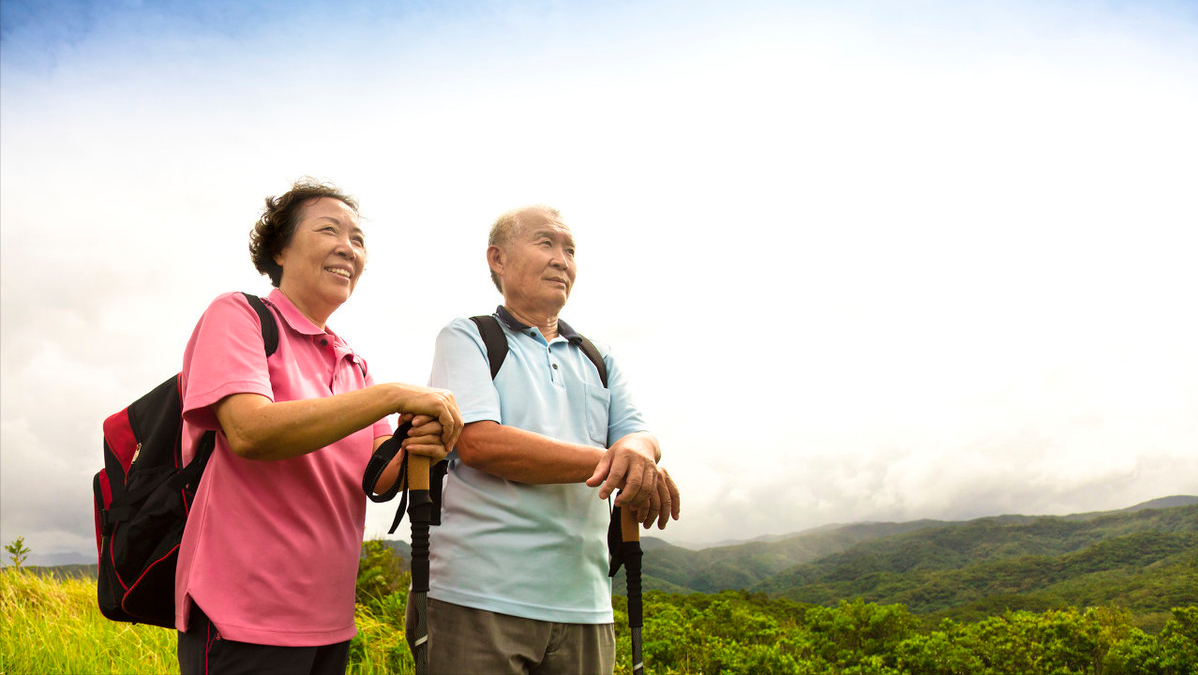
[{"x": 226, "y": 341}]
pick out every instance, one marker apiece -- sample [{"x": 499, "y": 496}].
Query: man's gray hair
[{"x": 507, "y": 228}]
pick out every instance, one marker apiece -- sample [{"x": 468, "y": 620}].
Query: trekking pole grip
[
  {"x": 630, "y": 529},
  {"x": 417, "y": 472}
]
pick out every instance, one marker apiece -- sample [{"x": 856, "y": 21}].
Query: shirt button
[
  {"x": 555, "y": 366},
  {"x": 324, "y": 343}
]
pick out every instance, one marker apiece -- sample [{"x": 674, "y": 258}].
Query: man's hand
[
  {"x": 424, "y": 438},
  {"x": 630, "y": 465}
]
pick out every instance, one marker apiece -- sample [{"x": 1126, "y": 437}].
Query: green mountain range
[{"x": 1144, "y": 558}]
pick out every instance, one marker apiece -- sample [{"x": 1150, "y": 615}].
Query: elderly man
[{"x": 519, "y": 563}]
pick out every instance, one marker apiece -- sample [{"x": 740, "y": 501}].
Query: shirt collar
[
  {"x": 563, "y": 329},
  {"x": 294, "y": 317}
]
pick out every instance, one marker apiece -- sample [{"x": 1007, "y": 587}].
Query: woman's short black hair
[{"x": 274, "y": 229}]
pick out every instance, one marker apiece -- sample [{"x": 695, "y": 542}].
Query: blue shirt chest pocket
[{"x": 598, "y": 403}]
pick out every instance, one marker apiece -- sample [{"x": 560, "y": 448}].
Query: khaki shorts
[{"x": 466, "y": 640}]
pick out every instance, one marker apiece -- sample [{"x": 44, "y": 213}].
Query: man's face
[{"x": 538, "y": 267}]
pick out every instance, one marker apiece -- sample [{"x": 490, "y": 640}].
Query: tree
[
  {"x": 380, "y": 573},
  {"x": 18, "y": 551}
]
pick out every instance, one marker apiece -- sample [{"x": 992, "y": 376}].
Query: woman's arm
[{"x": 261, "y": 429}]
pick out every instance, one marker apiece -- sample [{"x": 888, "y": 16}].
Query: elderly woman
[{"x": 268, "y": 562}]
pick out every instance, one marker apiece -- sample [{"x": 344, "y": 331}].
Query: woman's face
[{"x": 322, "y": 262}]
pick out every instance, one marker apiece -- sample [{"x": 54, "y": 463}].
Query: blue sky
[{"x": 864, "y": 260}]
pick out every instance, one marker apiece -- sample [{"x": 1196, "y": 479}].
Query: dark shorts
[
  {"x": 202, "y": 651},
  {"x": 466, "y": 640}
]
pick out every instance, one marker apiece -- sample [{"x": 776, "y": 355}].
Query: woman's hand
[{"x": 436, "y": 404}]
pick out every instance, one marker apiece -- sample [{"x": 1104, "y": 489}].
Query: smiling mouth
[{"x": 345, "y": 274}]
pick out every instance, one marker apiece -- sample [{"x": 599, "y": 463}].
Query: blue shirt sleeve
[{"x": 460, "y": 365}]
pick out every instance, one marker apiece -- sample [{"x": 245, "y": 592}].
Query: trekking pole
[
  {"x": 630, "y": 534},
  {"x": 419, "y": 515}
]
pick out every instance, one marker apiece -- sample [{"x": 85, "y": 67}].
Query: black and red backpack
[{"x": 143, "y": 495}]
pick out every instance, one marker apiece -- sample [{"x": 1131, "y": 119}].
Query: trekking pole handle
[
  {"x": 418, "y": 472},
  {"x": 630, "y": 529}
]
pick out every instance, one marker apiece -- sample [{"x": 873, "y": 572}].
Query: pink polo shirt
[{"x": 271, "y": 548}]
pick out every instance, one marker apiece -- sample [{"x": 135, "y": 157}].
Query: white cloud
[{"x": 860, "y": 262}]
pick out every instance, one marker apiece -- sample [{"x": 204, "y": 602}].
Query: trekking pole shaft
[
  {"x": 630, "y": 534},
  {"x": 418, "y": 515}
]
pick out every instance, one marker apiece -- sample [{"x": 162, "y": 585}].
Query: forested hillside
[{"x": 1145, "y": 559}]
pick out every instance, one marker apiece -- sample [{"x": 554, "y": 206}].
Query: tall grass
[
  {"x": 54, "y": 627},
  {"x": 50, "y": 626},
  {"x": 380, "y": 647}
]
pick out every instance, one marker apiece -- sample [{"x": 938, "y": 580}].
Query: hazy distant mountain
[
  {"x": 1165, "y": 503},
  {"x": 56, "y": 559},
  {"x": 1158, "y": 503}
]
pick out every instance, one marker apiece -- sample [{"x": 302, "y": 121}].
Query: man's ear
[{"x": 495, "y": 259}]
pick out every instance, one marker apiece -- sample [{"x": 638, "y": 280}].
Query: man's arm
[{"x": 524, "y": 456}]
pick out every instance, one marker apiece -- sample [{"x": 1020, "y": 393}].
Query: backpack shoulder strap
[
  {"x": 496, "y": 342},
  {"x": 270, "y": 329},
  {"x": 596, "y": 358},
  {"x": 494, "y": 339}
]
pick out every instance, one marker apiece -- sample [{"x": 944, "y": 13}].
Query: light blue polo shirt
[{"x": 533, "y": 551}]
